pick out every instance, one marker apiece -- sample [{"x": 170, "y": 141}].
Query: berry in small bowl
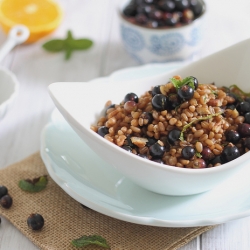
[{"x": 163, "y": 30}]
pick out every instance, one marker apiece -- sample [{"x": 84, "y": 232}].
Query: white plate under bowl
[{"x": 91, "y": 181}]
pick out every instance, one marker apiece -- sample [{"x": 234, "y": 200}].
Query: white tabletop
[{"x": 227, "y": 22}]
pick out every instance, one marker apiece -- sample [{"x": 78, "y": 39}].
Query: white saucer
[
  {"x": 103, "y": 190},
  {"x": 92, "y": 182}
]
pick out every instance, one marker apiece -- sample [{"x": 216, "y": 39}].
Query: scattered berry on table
[
  {"x": 35, "y": 221},
  {"x": 6, "y": 201},
  {"x": 3, "y": 191}
]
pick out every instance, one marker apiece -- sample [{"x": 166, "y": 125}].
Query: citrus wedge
[{"x": 40, "y": 16}]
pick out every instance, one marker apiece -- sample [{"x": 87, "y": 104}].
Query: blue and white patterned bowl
[{"x": 152, "y": 45}]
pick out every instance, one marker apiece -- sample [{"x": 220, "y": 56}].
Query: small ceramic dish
[
  {"x": 9, "y": 84},
  {"x": 82, "y": 104},
  {"x": 157, "y": 45}
]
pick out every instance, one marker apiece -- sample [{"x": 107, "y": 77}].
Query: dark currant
[
  {"x": 151, "y": 141},
  {"x": 158, "y": 161},
  {"x": 207, "y": 154},
  {"x": 130, "y": 10},
  {"x": 247, "y": 117},
  {"x": 131, "y": 97},
  {"x": 217, "y": 159},
  {"x": 196, "y": 6},
  {"x": 102, "y": 131},
  {"x": 174, "y": 136},
  {"x": 185, "y": 92},
  {"x": 188, "y": 152},
  {"x": 244, "y": 129},
  {"x": 35, "y": 221},
  {"x": 232, "y": 136},
  {"x": 229, "y": 153},
  {"x": 166, "y": 5},
  {"x": 3, "y": 191},
  {"x": 143, "y": 156},
  {"x": 174, "y": 100},
  {"x": 160, "y": 102},
  {"x": 156, "y": 150},
  {"x": 199, "y": 163},
  {"x": 181, "y": 4},
  {"x": 6, "y": 201},
  {"x": 127, "y": 148},
  {"x": 243, "y": 107},
  {"x": 156, "y": 90}
]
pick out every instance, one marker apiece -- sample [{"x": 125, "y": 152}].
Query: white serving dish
[
  {"x": 88, "y": 179},
  {"x": 82, "y": 104}
]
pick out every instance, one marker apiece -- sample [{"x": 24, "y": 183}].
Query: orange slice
[{"x": 40, "y": 16}]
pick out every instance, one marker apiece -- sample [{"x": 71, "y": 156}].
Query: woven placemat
[{"x": 65, "y": 218}]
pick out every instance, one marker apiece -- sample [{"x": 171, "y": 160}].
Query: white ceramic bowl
[
  {"x": 149, "y": 45},
  {"x": 9, "y": 87},
  {"x": 83, "y": 103}
]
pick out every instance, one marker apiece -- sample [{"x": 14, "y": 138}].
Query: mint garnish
[
  {"x": 35, "y": 185},
  {"x": 186, "y": 81},
  {"x": 90, "y": 240},
  {"x": 68, "y": 45}
]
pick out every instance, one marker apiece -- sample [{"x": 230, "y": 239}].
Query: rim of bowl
[{"x": 122, "y": 17}]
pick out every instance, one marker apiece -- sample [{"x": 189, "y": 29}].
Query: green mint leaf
[
  {"x": 69, "y": 44},
  {"x": 54, "y": 45},
  {"x": 80, "y": 44},
  {"x": 186, "y": 81},
  {"x": 90, "y": 240},
  {"x": 196, "y": 120},
  {"x": 35, "y": 185},
  {"x": 177, "y": 83},
  {"x": 198, "y": 154}
]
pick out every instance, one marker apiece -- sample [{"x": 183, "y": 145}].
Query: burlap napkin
[{"x": 65, "y": 218}]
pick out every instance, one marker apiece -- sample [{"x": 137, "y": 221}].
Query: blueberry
[
  {"x": 196, "y": 6},
  {"x": 6, "y": 201},
  {"x": 166, "y": 5},
  {"x": 181, "y": 4},
  {"x": 188, "y": 152},
  {"x": 131, "y": 97},
  {"x": 3, "y": 191},
  {"x": 151, "y": 141},
  {"x": 230, "y": 152},
  {"x": 130, "y": 10},
  {"x": 243, "y": 107},
  {"x": 247, "y": 117},
  {"x": 174, "y": 100},
  {"x": 232, "y": 136},
  {"x": 160, "y": 102},
  {"x": 35, "y": 221},
  {"x": 102, "y": 131},
  {"x": 127, "y": 148},
  {"x": 244, "y": 129},
  {"x": 199, "y": 163},
  {"x": 216, "y": 159},
  {"x": 173, "y": 136},
  {"x": 156, "y": 150},
  {"x": 207, "y": 154},
  {"x": 185, "y": 92}
]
